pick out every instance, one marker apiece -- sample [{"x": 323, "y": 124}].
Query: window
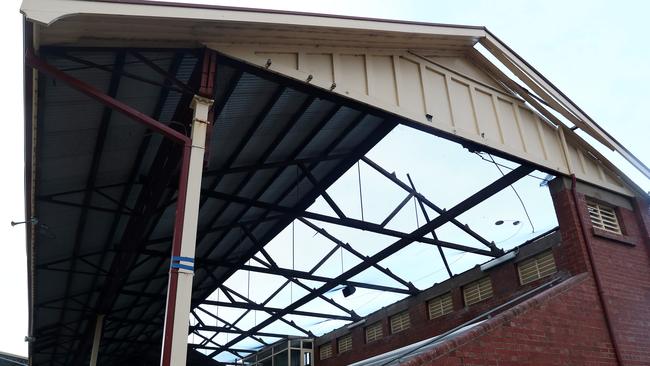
[
  {"x": 374, "y": 332},
  {"x": 440, "y": 306},
  {"x": 477, "y": 291},
  {"x": 537, "y": 267},
  {"x": 603, "y": 217},
  {"x": 400, "y": 322},
  {"x": 345, "y": 343},
  {"x": 326, "y": 351}
]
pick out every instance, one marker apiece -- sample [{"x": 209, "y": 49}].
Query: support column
[
  {"x": 97, "y": 337},
  {"x": 181, "y": 272}
]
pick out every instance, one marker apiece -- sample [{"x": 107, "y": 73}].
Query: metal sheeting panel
[
  {"x": 438, "y": 98},
  {"x": 262, "y": 127}
]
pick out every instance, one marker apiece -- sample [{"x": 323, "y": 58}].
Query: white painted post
[
  {"x": 184, "y": 263},
  {"x": 97, "y": 337}
]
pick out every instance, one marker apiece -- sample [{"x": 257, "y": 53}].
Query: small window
[
  {"x": 374, "y": 332},
  {"x": 326, "y": 351},
  {"x": 345, "y": 343},
  {"x": 440, "y": 306},
  {"x": 477, "y": 291},
  {"x": 537, "y": 267},
  {"x": 603, "y": 217},
  {"x": 400, "y": 322}
]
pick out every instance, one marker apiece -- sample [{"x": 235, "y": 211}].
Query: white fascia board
[{"x": 46, "y": 12}]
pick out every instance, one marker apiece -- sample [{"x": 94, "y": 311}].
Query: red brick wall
[
  {"x": 622, "y": 263},
  {"x": 505, "y": 285},
  {"x": 571, "y": 329},
  {"x": 550, "y": 329}
]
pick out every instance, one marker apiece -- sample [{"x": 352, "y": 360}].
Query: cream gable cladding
[
  {"x": 429, "y": 74},
  {"x": 465, "y": 102}
]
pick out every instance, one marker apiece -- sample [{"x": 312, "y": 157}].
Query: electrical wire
[
  {"x": 417, "y": 218},
  {"x": 505, "y": 166},
  {"x": 516, "y": 193},
  {"x": 360, "y": 194}
]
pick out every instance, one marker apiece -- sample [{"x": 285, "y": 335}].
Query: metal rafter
[
  {"x": 433, "y": 232},
  {"x": 348, "y": 222},
  {"x": 380, "y": 131},
  {"x": 430, "y": 204},
  {"x": 92, "y": 173},
  {"x": 444, "y": 217}
]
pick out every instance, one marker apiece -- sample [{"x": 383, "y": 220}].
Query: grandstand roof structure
[{"x": 295, "y": 100}]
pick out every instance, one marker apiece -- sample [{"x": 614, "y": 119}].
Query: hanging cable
[
  {"x": 360, "y": 193},
  {"x": 293, "y": 254},
  {"x": 248, "y": 290},
  {"x": 417, "y": 217},
  {"x": 507, "y": 167},
  {"x": 516, "y": 193}
]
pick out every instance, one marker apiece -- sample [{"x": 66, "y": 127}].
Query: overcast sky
[{"x": 594, "y": 51}]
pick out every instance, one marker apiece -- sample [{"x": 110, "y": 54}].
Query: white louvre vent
[
  {"x": 440, "y": 306},
  {"x": 477, "y": 291},
  {"x": 374, "y": 332},
  {"x": 400, "y": 322},
  {"x": 603, "y": 217},
  {"x": 539, "y": 266},
  {"x": 325, "y": 351},
  {"x": 345, "y": 343}
]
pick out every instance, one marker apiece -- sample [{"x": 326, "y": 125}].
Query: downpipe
[{"x": 592, "y": 262}]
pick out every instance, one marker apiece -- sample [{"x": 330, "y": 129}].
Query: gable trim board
[
  {"x": 325, "y": 51},
  {"x": 439, "y": 99}
]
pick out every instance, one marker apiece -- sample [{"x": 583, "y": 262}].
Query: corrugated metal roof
[{"x": 260, "y": 121}]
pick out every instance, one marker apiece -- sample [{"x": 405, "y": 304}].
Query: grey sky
[{"x": 594, "y": 51}]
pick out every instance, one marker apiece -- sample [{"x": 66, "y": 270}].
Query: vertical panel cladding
[
  {"x": 591, "y": 166},
  {"x": 456, "y": 102},
  {"x": 411, "y": 91},
  {"x": 574, "y": 158},
  {"x": 437, "y": 97},
  {"x": 530, "y": 133},
  {"x": 462, "y": 106},
  {"x": 553, "y": 146},
  {"x": 318, "y": 64},
  {"x": 509, "y": 125},
  {"x": 353, "y": 73},
  {"x": 384, "y": 85},
  {"x": 286, "y": 59},
  {"x": 486, "y": 112}
]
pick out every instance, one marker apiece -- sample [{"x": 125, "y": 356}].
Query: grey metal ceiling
[{"x": 105, "y": 188}]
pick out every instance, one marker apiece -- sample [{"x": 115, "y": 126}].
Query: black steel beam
[
  {"x": 166, "y": 165},
  {"x": 380, "y": 131},
  {"x": 430, "y": 204},
  {"x": 100, "y": 139},
  {"x": 433, "y": 232},
  {"x": 348, "y": 222},
  {"x": 340, "y": 244},
  {"x": 271, "y": 310},
  {"x": 272, "y": 165},
  {"x": 444, "y": 217},
  {"x": 212, "y": 328}
]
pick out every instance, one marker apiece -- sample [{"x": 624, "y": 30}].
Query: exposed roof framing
[
  {"x": 249, "y": 195},
  {"x": 288, "y": 122}
]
